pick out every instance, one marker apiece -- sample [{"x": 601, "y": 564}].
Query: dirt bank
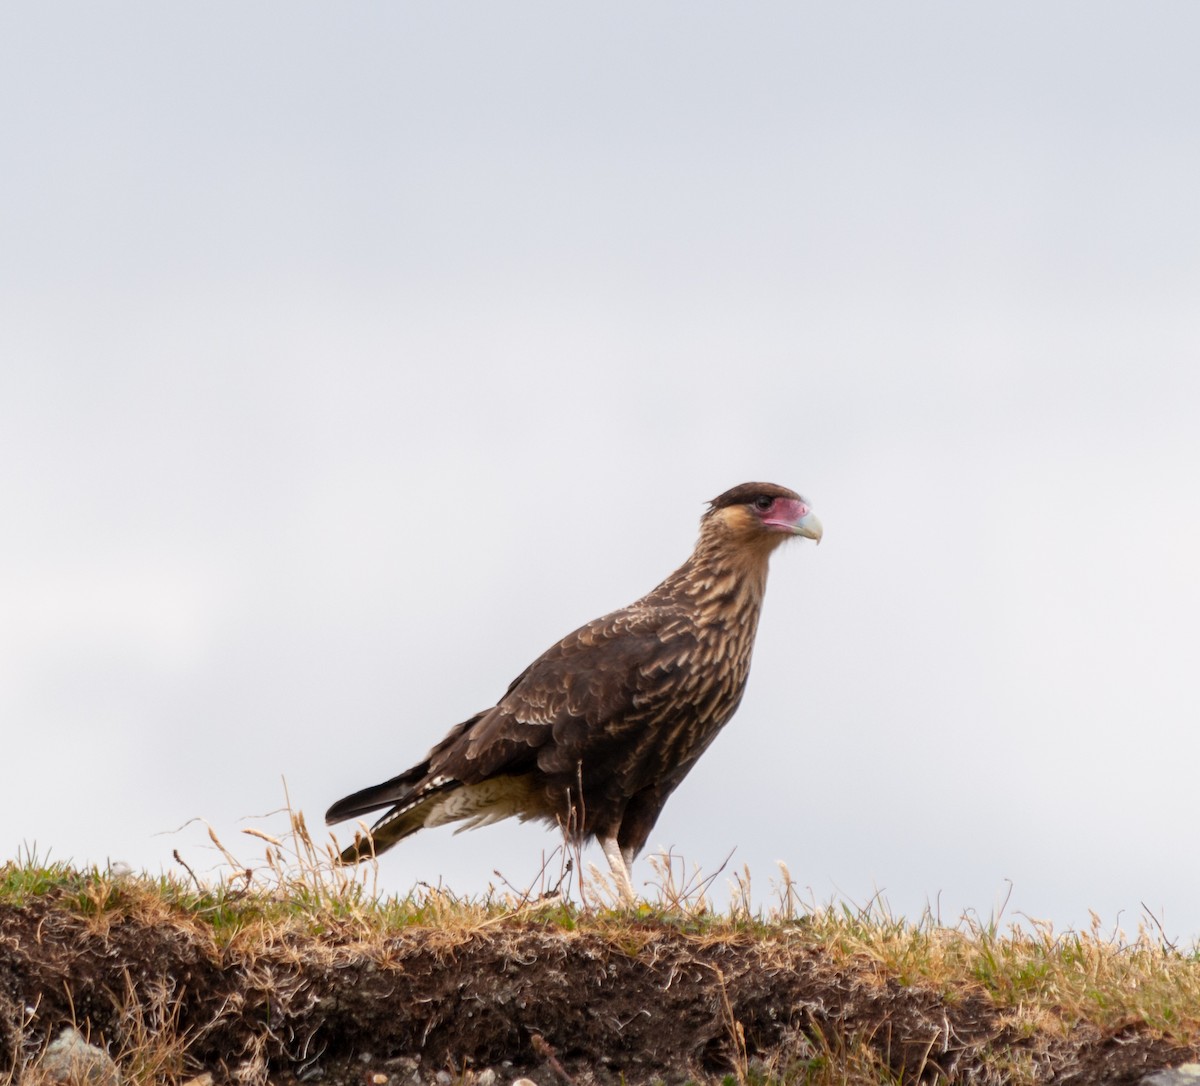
[{"x": 651, "y": 1002}]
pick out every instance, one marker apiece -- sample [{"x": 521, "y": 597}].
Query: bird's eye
[{"x": 763, "y": 502}]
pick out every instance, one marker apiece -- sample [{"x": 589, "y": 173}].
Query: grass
[{"x": 1041, "y": 985}]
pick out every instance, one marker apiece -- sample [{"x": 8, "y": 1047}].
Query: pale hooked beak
[{"x": 809, "y": 527}]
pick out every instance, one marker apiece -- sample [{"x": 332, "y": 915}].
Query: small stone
[
  {"x": 1186, "y": 1074},
  {"x": 443, "y": 1078},
  {"x": 524, "y": 1082},
  {"x": 379, "y": 1078},
  {"x": 70, "y": 1059},
  {"x": 486, "y": 1077},
  {"x": 403, "y": 1071}
]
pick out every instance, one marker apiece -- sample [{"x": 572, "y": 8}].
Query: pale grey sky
[{"x": 351, "y": 356}]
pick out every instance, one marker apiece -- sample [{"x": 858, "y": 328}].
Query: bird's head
[{"x": 761, "y": 513}]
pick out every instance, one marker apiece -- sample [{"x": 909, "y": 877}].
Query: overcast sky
[{"x": 351, "y": 355}]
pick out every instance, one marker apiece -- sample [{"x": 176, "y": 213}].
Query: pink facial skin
[
  {"x": 793, "y": 517},
  {"x": 784, "y": 514}
]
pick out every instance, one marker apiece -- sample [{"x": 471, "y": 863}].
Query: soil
[{"x": 493, "y": 1003}]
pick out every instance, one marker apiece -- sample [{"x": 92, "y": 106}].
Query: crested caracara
[{"x": 600, "y": 729}]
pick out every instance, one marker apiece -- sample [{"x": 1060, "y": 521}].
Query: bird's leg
[{"x": 620, "y": 872}]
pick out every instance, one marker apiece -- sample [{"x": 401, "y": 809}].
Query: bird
[{"x": 599, "y": 730}]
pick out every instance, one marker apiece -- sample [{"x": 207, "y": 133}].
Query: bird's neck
[{"x": 723, "y": 578}]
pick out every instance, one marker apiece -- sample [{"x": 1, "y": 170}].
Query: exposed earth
[{"x": 497, "y": 1001}]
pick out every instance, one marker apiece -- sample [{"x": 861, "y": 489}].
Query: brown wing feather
[{"x": 566, "y": 704}]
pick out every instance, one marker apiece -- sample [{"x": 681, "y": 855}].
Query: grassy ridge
[{"x": 1018, "y": 1004}]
